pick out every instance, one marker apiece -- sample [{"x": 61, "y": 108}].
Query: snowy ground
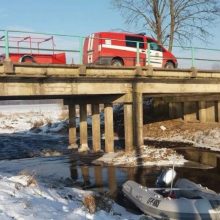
[
  {"x": 147, "y": 156},
  {"x": 25, "y": 197},
  {"x": 200, "y": 135}
]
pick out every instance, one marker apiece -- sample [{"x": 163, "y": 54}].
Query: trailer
[{"x": 29, "y": 50}]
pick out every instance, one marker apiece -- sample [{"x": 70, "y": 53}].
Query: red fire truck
[
  {"x": 120, "y": 49},
  {"x": 27, "y": 49}
]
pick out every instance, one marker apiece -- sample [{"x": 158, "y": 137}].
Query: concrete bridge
[{"x": 191, "y": 94}]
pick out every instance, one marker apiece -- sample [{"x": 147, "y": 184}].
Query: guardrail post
[
  {"x": 148, "y": 54},
  {"x": 193, "y": 56},
  {"x": 6, "y": 45},
  {"x": 81, "y": 41},
  {"x": 138, "y": 54}
]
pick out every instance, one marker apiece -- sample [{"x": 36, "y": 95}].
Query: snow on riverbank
[
  {"x": 14, "y": 119},
  {"x": 206, "y": 139},
  {"x": 146, "y": 156},
  {"x": 22, "y": 197}
]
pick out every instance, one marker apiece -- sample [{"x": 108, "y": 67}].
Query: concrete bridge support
[
  {"x": 96, "y": 131},
  {"x": 109, "y": 128},
  {"x": 210, "y": 111},
  {"x": 128, "y": 126},
  {"x": 190, "y": 110},
  {"x": 202, "y": 111},
  {"x": 176, "y": 110},
  {"x": 217, "y": 107},
  {"x": 72, "y": 127},
  {"x": 83, "y": 128},
  {"x": 138, "y": 119}
]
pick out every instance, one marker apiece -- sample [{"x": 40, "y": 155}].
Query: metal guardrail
[{"x": 187, "y": 56}]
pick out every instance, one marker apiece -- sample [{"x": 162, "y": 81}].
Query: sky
[{"x": 73, "y": 17}]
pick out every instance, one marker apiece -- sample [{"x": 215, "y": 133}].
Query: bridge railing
[{"x": 26, "y": 42}]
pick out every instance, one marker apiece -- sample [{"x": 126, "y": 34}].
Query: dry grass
[
  {"x": 31, "y": 178},
  {"x": 89, "y": 202},
  {"x": 96, "y": 202},
  {"x": 63, "y": 115},
  {"x": 2, "y": 115},
  {"x": 37, "y": 124}
]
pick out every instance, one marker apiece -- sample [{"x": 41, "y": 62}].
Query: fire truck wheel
[
  {"x": 169, "y": 65},
  {"x": 27, "y": 59},
  {"x": 117, "y": 62}
]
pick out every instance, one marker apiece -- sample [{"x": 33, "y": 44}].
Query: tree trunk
[
  {"x": 172, "y": 24},
  {"x": 157, "y": 21}
]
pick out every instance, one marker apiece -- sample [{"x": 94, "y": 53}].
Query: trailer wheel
[
  {"x": 169, "y": 65},
  {"x": 117, "y": 62},
  {"x": 27, "y": 59}
]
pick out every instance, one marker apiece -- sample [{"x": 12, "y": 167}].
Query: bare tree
[{"x": 171, "y": 21}]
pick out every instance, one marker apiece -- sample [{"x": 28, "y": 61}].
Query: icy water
[{"x": 36, "y": 154}]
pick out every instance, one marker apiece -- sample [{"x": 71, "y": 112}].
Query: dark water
[
  {"x": 15, "y": 146},
  {"x": 27, "y": 152}
]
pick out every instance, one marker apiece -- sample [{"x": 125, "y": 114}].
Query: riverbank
[{"x": 203, "y": 135}]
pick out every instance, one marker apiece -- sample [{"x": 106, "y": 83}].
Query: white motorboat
[{"x": 186, "y": 200}]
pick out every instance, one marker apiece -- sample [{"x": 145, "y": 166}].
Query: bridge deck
[{"x": 24, "y": 79}]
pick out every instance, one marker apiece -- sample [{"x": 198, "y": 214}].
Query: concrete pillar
[
  {"x": 202, "y": 111},
  {"x": 96, "y": 132},
  {"x": 138, "y": 119},
  {"x": 128, "y": 127},
  {"x": 109, "y": 128},
  {"x": 218, "y": 163},
  {"x": 72, "y": 127},
  {"x": 217, "y": 112},
  {"x": 83, "y": 128},
  {"x": 210, "y": 111},
  {"x": 171, "y": 111},
  {"x": 176, "y": 110},
  {"x": 160, "y": 108},
  {"x": 190, "y": 111}
]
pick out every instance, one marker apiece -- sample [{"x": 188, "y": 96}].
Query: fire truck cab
[{"x": 120, "y": 49}]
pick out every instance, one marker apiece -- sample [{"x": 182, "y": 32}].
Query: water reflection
[
  {"x": 64, "y": 171},
  {"x": 112, "y": 178}
]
